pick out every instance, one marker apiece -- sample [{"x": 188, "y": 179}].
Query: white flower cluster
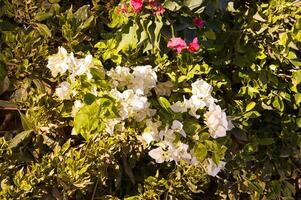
[
  {"x": 132, "y": 89},
  {"x": 136, "y": 86},
  {"x": 169, "y": 149},
  {"x": 62, "y": 62},
  {"x": 215, "y": 117}
]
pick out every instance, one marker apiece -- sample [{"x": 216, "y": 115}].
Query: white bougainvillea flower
[
  {"x": 216, "y": 120},
  {"x": 121, "y": 76},
  {"x": 159, "y": 155},
  {"x": 110, "y": 125},
  {"x": 167, "y": 135},
  {"x": 179, "y": 152},
  {"x": 164, "y": 89},
  {"x": 145, "y": 78},
  {"x": 193, "y": 113},
  {"x": 194, "y": 160},
  {"x": 197, "y": 102},
  {"x": 133, "y": 105},
  {"x": 142, "y": 114},
  {"x": 81, "y": 66},
  {"x": 177, "y": 126},
  {"x": 201, "y": 89},
  {"x": 151, "y": 132},
  {"x": 213, "y": 169},
  {"x": 179, "y": 107},
  {"x": 77, "y": 105},
  {"x": 59, "y": 63},
  {"x": 63, "y": 91}
]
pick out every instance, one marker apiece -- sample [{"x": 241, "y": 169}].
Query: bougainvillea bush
[{"x": 150, "y": 99}]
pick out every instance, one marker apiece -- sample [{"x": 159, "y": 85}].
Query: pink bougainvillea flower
[
  {"x": 122, "y": 8},
  {"x": 160, "y": 10},
  {"x": 136, "y": 5},
  {"x": 194, "y": 45},
  {"x": 177, "y": 43},
  {"x": 198, "y": 22}
]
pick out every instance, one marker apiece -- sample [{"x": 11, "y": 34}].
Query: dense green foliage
[{"x": 250, "y": 54}]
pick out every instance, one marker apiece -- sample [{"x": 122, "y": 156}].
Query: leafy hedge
[{"x": 249, "y": 51}]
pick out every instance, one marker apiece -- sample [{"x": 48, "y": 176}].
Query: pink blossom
[
  {"x": 177, "y": 43},
  {"x": 122, "y": 8},
  {"x": 136, "y": 5},
  {"x": 198, "y": 22},
  {"x": 160, "y": 10},
  {"x": 194, "y": 45}
]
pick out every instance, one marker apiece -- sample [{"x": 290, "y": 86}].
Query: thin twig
[{"x": 94, "y": 190}]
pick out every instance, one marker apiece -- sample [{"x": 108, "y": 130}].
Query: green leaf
[
  {"x": 283, "y": 39},
  {"x": 258, "y": 18},
  {"x": 200, "y": 151},
  {"x": 87, "y": 120},
  {"x": 25, "y": 123},
  {"x": 65, "y": 146},
  {"x": 296, "y": 77},
  {"x": 129, "y": 40},
  {"x": 159, "y": 25},
  {"x": 19, "y": 138},
  {"x": 192, "y": 126},
  {"x": 252, "y": 114},
  {"x": 82, "y": 13},
  {"x": 265, "y": 141},
  {"x": 250, "y": 106},
  {"x": 164, "y": 103},
  {"x": 182, "y": 78},
  {"x": 278, "y": 103},
  {"x": 216, "y": 157},
  {"x": 41, "y": 16},
  {"x": 87, "y": 23},
  {"x": 171, "y": 5},
  {"x": 210, "y": 34},
  {"x": 43, "y": 29},
  {"x": 298, "y": 98},
  {"x": 193, "y": 4}
]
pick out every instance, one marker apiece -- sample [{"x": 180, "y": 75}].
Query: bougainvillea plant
[{"x": 150, "y": 99}]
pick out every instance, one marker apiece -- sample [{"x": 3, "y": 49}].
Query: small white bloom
[
  {"x": 59, "y": 63},
  {"x": 230, "y": 124},
  {"x": 180, "y": 152},
  {"x": 178, "y": 127},
  {"x": 179, "y": 107},
  {"x": 196, "y": 137},
  {"x": 151, "y": 132},
  {"x": 148, "y": 136},
  {"x": 159, "y": 155},
  {"x": 194, "y": 161},
  {"x": 144, "y": 80},
  {"x": 201, "y": 94},
  {"x": 216, "y": 120},
  {"x": 193, "y": 111},
  {"x": 121, "y": 76},
  {"x": 83, "y": 65},
  {"x": 73, "y": 132},
  {"x": 201, "y": 89},
  {"x": 197, "y": 102},
  {"x": 167, "y": 135},
  {"x": 77, "y": 105},
  {"x": 164, "y": 89},
  {"x": 110, "y": 125},
  {"x": 132, "y": 105},
  {"x": 63, "y": 91},
  {"x": 213, "y": 169}
]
